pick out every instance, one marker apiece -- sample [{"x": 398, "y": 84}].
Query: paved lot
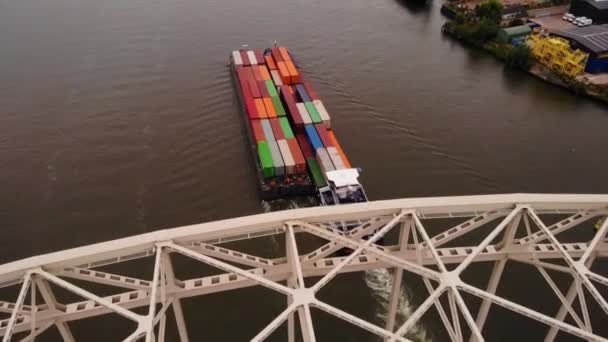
[
  {"x": 597, "y": 79},
  {"x": 553, "y": 23}
]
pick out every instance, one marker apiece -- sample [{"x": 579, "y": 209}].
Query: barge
[{"x": 294, "y": 148}]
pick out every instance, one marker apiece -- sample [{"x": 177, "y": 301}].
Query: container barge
[{"x": 294, "y": 148}]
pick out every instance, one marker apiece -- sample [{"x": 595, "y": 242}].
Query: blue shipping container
[
  {"x": 517, "y": 41},
  {"x": 267, "y": 130},
  {"x": 597, "y": 65},
  {"x": 313, "y": 137},
  {"x": 302, "y": 93}
]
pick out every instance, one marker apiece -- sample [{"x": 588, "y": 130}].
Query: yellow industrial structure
[{"x": 556, "y": 53}]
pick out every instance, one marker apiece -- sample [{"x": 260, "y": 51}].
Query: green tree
[
  {"x": 518, "y": 57},
  {"x": 460, "y": 19},
  {"x": 491, "y": 10},
  {"x": 484, "y": 30}
]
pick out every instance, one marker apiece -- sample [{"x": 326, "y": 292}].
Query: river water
[{"x": 118, "y": 118}]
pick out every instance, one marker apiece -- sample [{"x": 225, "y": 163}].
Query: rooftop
[
  {"x": 594, "y": 38},
  {"x": 599, "y": 4},
  {"x": 516, "y": 30}
]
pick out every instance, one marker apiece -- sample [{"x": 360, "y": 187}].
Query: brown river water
[{"x": 119, "y": 117}]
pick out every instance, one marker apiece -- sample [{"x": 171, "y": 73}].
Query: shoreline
[{"x": 536, "y": 69}]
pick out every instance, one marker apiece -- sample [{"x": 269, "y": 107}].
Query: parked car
[
  {"x": 584, "y": 22},
  {"x": 568, "y": 17},
  {"x": 579, "y": 20}
]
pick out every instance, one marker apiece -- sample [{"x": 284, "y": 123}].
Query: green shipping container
[
  {"x": 287, "y": 132},
  {"x": 278, "y": 106},
  {"x": 315, "y": 171},
  {"x": 312, "y": 110},
  {"x": 271, "y": 89},
  {"x": 265, "y": 159}
]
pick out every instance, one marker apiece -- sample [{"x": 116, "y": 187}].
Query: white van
[{"x": 584, "y": 22}]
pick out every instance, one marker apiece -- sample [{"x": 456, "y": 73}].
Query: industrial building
[
  {"x": 593, "y": 40},
  {"x": 593, "y": 9},
  {"x": 509, "y": 34},
  {"x": 511, "y": 13}
]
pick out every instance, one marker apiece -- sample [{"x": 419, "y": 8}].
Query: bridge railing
[{"x": 521, "y": 228}]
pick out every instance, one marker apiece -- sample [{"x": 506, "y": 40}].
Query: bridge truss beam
[{"x": 517, "y": 233}]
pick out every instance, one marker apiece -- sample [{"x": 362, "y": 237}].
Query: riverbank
[{"x": 579, "y": 85}]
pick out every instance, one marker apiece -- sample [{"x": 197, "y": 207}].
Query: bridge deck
[{"x": 512, "y": 228}]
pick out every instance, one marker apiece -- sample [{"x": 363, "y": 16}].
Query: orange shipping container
[
  {"x": 332, "y": 137},
  {"x": 270, "y": 62},
  {"x": 259, "y": 105},
  {"x": 285, "y": 54},
  {"x": 270, "y": 111},
  {"x": 264, "y": 72},
  {"x": 293, "y": 72},
  {"x": 285, "y": 77},
  {"x": 257, "y": 73}
]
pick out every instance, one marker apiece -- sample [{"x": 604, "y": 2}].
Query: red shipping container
[
  {"x": 322, "y": 131},
  {"x": 298, "y": 157},
  {"x": 259, "y": 55},
  {"x": 276, "y": 129},
  {"x": 284, "y": 54},
  {"x": 252, "y": 110},
  {"x": 245, "y": 58},
  {"x": 239, "y": 70},
  {"x": 258, "y": 131},
  {"x": 263, "y": 89},
  {"x": 305, "y": 146},
  {"x": 276, "y": 55},
  {"x": 241, "y": 75},
  {"x": 246, "y": 73},
  {"x": 257, "y": 74},
  {"x": 245, "y": 90},
  {"x": 292, "y": 109},
  {"x": 270, "y": 62},
  {"x": 311, "y": 92},
  {"x": 253, "y": 87},
  {"x": 295, "y": 116}
]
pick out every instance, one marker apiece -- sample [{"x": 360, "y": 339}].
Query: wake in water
[{"x": 380, "y": 281}]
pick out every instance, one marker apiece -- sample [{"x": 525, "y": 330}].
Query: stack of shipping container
[{"x": 290, "y": 124}]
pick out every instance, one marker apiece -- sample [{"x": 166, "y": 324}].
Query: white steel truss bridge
[{"x": 433, "y": 239}]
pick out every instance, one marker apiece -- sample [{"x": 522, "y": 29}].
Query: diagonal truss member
[{"x": 416, "y": 252}]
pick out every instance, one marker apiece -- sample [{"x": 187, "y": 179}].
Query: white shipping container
[
  {"x": 252, "y": 58},
  {"x": 290, "y": 164},
  {"x": 276, "y": 78},
  {"x": 336, "y": 159},
  {"x": 277, "y": 160},
  {"x": 267, "y": 128},
  {"x": 304, "y": 113},
  {"x": 324, "y": 160},
  {"x": 322, "y": 113},
  {"x": 236, "y": 57}
]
